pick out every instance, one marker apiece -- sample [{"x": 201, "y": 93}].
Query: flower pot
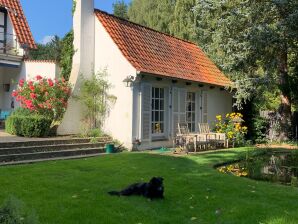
[{"x": 110, "y": 148}]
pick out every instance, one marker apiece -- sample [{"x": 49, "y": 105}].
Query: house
[
  {"x": 16, "y": 41},
  {"x": 159, "y": 80}
]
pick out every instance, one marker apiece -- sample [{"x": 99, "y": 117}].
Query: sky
[{"x": 47, "y": 18}]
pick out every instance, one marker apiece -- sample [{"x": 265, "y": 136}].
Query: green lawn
[{"x": 75, "y": 191}]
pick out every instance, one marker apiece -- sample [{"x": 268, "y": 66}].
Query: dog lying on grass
[{"x": 153, "y": 189}]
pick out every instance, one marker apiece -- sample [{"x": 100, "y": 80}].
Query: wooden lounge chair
[
  {"x": 215, "y": 139},
  {"x": 184, "y": 138}
]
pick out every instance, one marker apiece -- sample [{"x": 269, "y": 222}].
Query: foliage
[
  {"x": 256, "y": 43},
  {"x": 59, "y": 50},
  {"x": 29, "y": 125},
  {"x": 94, "y": 95},
  {"x": 13, "y": 212},
  {"x": 94, "y": 133},
  {"x": 120, "y": 9},
  {"x": 67, "y": 52},
  {"x": 48, "y": 51},
  {"x": 184, "y": 22},
  {"x": 260, "y": 130},
  {"x": 44, "y": 96},
  {"x": 156, "y": 14},
  {"x": 74, "y": 6},
  {"x": 231, "y": 126}
]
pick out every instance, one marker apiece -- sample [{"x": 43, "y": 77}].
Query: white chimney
[{"x": 83, "y": 61}]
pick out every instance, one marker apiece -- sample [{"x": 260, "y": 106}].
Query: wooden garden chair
[
  {"x": 184, "y": 138},
  {"x": 213, "y": 138}
]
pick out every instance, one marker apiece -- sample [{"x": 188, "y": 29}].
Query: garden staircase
[{"x": 12, "y": 153}]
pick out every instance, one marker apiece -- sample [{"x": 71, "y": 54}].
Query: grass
[{"x": 75, "y": 191}]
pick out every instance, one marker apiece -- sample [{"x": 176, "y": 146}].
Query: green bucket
[{"x": 110, "y": 148}]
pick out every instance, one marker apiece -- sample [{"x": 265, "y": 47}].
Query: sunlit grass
[{"x": 75, "y": 191}]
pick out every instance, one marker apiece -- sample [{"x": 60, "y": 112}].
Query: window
[
  {"x": 158, "y": 111},
  {"x": 3, "y": 30},
  {"x": 191, "y": 111}
]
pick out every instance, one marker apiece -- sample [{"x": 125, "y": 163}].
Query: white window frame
[
  {"x": 158, "y": 110},
  {"x": 191, "y": 99}
]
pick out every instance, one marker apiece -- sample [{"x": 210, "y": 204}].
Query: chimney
[
  {"x": 82, "y": 63},
  {"x": 84, "y": 38}
]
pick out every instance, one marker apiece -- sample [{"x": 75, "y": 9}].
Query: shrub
[
  {"x": 29, "y": 125},
  {"x": 13, "y": 212},
  {"x": 232, "y": 127},
  {"x": 95, "y": 97},
  {"x": 260, "y": 128},
  {"x": 44, "y": 96}
]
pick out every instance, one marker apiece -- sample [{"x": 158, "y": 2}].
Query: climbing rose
[
  {"x": 38, "y": 77},
  {"x": 44, "y": 96}
]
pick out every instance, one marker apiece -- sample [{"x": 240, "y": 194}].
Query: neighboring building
[
  {"x": 15, "y": 42},
  {"x": 171, "y": 80}
]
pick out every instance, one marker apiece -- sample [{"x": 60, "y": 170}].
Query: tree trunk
[{"x": 285, "y": 105}]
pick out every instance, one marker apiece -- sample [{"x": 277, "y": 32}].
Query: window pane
[
  {"x": 156, "y": 92},
  {"x": 162, "y": 105},
  {"x": 188, "y": 107},
  {"x": 156, "y": 105},
  {"x": 162, "y": 127},
  {"x": 193, "y": 107},
  {"x": 162, "y": 116},
  {"x": 162, "y": 93},
  {"x": 193, "y": 97},
  {"x": 156, "y": 116}
]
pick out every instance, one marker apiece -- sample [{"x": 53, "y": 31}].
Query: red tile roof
[
  {"x": 19, "y": 22},
  {"x": 150, "y": 51}
]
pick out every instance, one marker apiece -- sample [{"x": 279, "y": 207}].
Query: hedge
[{"x": 28, "y": 126}]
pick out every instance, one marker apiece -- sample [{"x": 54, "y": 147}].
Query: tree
[
  {"x": 120, "y": 9},
  {"x": 156, "y": 14},
  {"x": 257, "y": 43},
  {"x": 67, "y": 52},
  {"x": 184, "y": 23},
  {"x": 49, "y": 51}
]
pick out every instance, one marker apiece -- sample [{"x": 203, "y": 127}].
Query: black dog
[{"x": 153, "y": 189}]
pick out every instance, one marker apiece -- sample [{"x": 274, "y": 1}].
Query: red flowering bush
[{"x": 44, "y": 96}]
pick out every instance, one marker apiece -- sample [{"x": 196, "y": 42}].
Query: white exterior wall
[
  {"x": 119, "y": 123},
  {"x": 7, "y": 76},
  {"x": 28, "y": 70},
  {"x": 83, "y": 63},
  {"x": 31, "y": 69}
]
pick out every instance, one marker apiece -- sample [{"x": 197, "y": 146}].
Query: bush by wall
[{"x": 32, "y": 125}]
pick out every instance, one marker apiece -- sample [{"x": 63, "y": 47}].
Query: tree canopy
[
  {"x": 255, "y": 44},
  {"x": 120, "y": 9}
]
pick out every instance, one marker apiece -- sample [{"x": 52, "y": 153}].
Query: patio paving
[{"x": 5, "y": 137}]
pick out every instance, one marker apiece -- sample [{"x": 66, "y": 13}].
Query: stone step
[
  {"x": 50, "y": 142},
  {"x": 49, "y": 148},
  {"x": 51, "y": 159},
  {"x": 4, "y": 159}
]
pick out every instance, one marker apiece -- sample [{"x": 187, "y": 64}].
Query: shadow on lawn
[{"x": 76, "y": 190}]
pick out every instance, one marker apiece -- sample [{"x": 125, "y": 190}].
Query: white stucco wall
[
  {"x": 31, "y": 69},
  {"x": 220, "y": 102},
  {"x": 28, "y": 70},
  {"x": 107, "y": 55},
  {"x": 7, "y": 76},
  {"x": 83, "y": 63}
]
